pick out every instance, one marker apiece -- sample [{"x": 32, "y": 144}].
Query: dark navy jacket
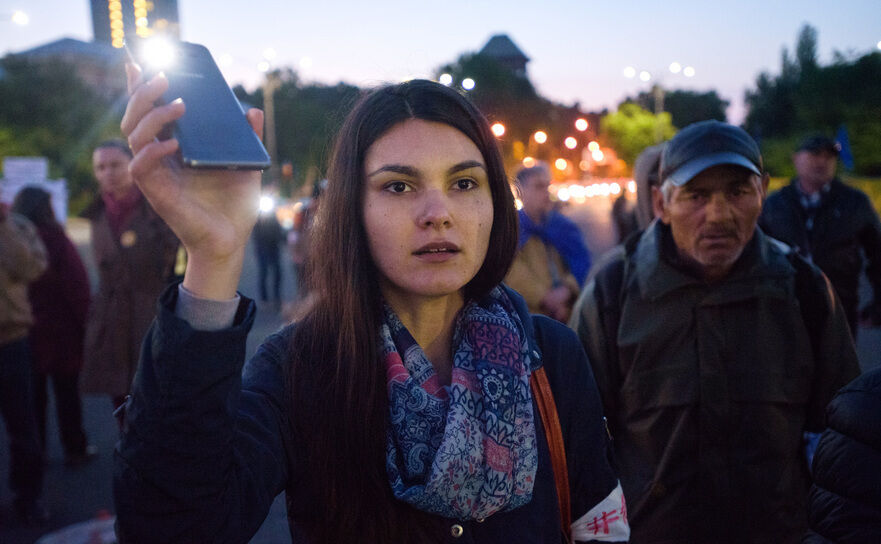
[
  {"x": 845, "y": 501},
  {"x": 845, "y": 229},
  {"x": 208, "y": 444}
]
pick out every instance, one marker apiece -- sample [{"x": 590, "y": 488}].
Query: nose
[
  {"x": 435, "y": 210},
  {"x": 718, "y": 208}
]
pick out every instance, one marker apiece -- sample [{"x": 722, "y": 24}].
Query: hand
[
  {"x": 212, "y": 212},
  {"x": 556, "y": 303}
]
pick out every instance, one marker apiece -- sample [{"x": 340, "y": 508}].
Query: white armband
[{"x": 605, "y": 522}]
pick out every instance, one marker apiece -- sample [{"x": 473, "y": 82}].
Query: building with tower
[{"x": 114, "y": 21}]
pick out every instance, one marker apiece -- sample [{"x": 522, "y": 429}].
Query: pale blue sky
[{"x": 578, "y": 48}]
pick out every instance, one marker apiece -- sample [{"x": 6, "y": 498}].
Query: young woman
[{"x": 398, "y": 409}]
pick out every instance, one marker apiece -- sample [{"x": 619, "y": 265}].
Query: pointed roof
[{"x": 501, "y": 46}]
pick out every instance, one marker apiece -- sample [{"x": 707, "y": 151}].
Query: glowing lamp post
[
  {"x": 657, "y": 90},
  {"x": 17, "y": 17}
]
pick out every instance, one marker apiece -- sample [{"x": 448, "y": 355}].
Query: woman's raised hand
[{"x": 211, "y": 211}]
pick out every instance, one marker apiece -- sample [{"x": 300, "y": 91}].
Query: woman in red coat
[{"x": 60, "y": 302}]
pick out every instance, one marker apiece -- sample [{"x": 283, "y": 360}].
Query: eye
[
  {"x": 465, "y": 184},
  {"x": 396, "y": 187}
]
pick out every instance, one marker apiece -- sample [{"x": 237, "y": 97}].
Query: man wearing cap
[
  {"x": 700, "y": 341},
  {"x": 830, "y": 224}
]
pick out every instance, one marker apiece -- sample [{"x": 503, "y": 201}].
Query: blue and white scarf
[{"x": 468, "y": 450}]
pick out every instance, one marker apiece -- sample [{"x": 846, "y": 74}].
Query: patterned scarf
[{"x": 468, "y": 450}]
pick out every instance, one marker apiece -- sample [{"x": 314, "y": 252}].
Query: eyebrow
[{"x": 412, "y": 172}]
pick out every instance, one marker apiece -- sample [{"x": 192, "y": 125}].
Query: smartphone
[{"x": 214, "y": 132}]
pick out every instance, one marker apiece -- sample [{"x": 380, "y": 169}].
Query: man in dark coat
[
  {"x": 135, "y": 254},
  {"x": 715, "y": 348},
  {"x": 831, "y": 224}
]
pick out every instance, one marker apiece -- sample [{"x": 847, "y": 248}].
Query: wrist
[{"x": 214, "y": 278}]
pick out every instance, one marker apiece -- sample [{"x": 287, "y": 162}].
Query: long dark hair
[
  {"x": 338, "y": 385},
  {"x": 35, "y": 204}
]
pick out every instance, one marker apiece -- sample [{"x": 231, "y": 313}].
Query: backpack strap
[
  {"x": 813, "y": 302},
  {"x": 544, "y": 398}
]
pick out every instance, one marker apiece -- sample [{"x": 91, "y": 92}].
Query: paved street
[{"x": 75, "y": 495}]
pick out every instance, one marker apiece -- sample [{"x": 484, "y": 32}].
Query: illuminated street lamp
[
  {"x": 540, "y": 137},
  {"x": 468, "y": 84},
  {"x": 561, "y": 164},
  {"x": 657, "y": 89},
  {"x": 445, "y": 79},
  {"x": 879, "y": 45},
  {"x": 593, "y": 146},
  {"x": 581, "y": 124},
  {"x": 528, "y": 162},
  {"x": 498, "y": 129},
  {"x": 570, "y": 142},
  {"x": 17, "y": 17}
]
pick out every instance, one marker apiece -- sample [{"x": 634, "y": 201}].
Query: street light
[
  {"x": 445, "y": 79},
  {"x": 498, "y": 129},
  {"x": 570, "y": 142},
  {"x": 581, "y": 124},
  {"x": 540, "y": 137},
  {"x": 468, "y": 84},
  {"x": 17, "y": 17},
  {"x": 657, "y": 90}
]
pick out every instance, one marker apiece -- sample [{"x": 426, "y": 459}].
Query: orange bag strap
[{"x": 544, "y": 398}]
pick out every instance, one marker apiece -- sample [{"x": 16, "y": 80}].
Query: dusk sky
[{"x": 578, "y": 49}]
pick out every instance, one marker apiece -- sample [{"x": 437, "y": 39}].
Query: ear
[{"x": 659, "y": 207}]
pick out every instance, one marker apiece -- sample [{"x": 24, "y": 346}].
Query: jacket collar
[{"x": 657, "y": 272}]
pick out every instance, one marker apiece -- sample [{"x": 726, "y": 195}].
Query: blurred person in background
[
  {"x": 646, "y": 176},
  {"x": 60, "y": 303},
  {"x": 299, "y": 237},
  {"x": 832, "y": 225},
  {"x": 22, "y": 260},
  {"x": 552, "y": 261},
  {"x": 268, "y": 236},
  {"x": 134, "y": 251}
]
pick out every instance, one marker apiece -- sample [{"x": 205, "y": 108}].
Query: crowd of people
[{"x": 460, "y": 369}]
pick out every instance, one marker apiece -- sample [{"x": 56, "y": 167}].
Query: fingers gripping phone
[{"x": 213, "y": 132}]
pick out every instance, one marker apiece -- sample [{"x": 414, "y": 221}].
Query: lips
[{"x": 437, "y": 248}]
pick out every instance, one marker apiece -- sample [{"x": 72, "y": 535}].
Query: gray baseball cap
[{"x": 705, "y": 144}]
